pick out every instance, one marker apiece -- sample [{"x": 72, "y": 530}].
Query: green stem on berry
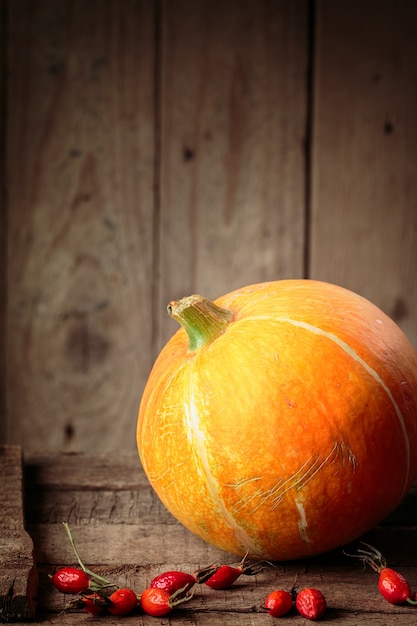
[
  {"x": 103, "y": 581},
  {"x": 177, "y": 598}
]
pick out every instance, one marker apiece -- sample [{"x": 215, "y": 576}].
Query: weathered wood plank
[
  {"x": 188, "y": 617},
  {"x": 233, "y": 118},
  {"x": 143, "y": 543},
  {"x": 18, "y": 573},
  {"x": 113, "y": 488},
  {"x": 79, "y": 160},
  {"x": 364, "y": 185},
  {"x": 71, "y": 471},
  {"x": 3, "y": 229},
  {"x": 123, "y": 532},
  {"x": 347, "y": 587},
  {"x": 210, "y": 618}
]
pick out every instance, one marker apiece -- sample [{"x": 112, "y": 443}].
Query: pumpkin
[{"x": 280, "y": 420}]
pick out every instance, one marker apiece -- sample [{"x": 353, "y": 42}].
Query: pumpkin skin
[{"x": 292, "y": 431}]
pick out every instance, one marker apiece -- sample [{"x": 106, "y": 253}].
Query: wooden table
[{"x": 123, "y": 532}]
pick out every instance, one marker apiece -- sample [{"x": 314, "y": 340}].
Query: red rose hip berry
[
  {"x": 311, "y": 603},
  {"x": 173, "y": 581},
  {"x": 155, "y": 601},
  {"x": 278, "y": 603},
  {"x": 158, "y": 602},
  {"x": 94, "y": 604},
  {"x": 123, "y": 601},
  {"x": 392, "y": 585},
  {"x": 225, "y": 575},
  {"x": 70, "y": 580}
]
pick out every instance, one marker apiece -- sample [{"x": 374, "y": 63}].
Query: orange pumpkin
[{"x": 281, "y": 420}]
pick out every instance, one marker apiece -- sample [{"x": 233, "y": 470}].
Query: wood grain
[
  {"x": 123, "y": 532},
  {"x": 156, "y": 148},
  {"x": 233, "y": 120},
  {"x": 18, "y": 572},
  {"x": 79, "y": 164},
  {"x": 364, "y": 185},
  {"x": 3, "y": 229},
  {"x": 202, "y": 617}
]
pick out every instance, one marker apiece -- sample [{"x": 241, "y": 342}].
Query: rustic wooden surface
[
  {"x": 152, "y": 148},
  {"x": 3, "y": 238},
  {"x": 364, "y": 155},
  {"x": 18, "y": 573},
  {"x": 80, "y": 163},
  {"x": 153, "y": 161},
  {"x": 233, "y": 122},
  {"x": 123, "y": 532}
]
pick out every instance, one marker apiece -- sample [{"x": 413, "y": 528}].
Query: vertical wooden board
[
  {"x": 3, "y": 226},
  {"x": 18, "y": 572},
  {"x": 80, "y": 159},
  {"x": 233, "y": 118},
  {"x": 364, "y": 216}
]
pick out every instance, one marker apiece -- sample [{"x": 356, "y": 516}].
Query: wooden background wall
[{"x": 156, "y": 148}]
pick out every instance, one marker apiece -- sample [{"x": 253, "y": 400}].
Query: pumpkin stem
[{"x": 203, "y": 320}]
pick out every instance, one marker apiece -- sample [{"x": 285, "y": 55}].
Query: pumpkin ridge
[
  {"x": 163, "y": 382},
  {"x": 302, "y": 522},
  {"x": 351, "y": 352},
  {"x": 197, "y": 439}
]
